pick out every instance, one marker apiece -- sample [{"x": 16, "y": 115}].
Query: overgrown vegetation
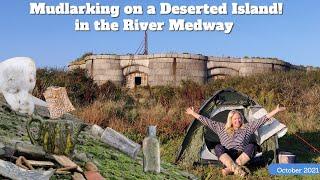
[
  {"x": 81, "y": 89},
  {"x": 131, "y": 111},
  {"x": 81, "y": 59}
]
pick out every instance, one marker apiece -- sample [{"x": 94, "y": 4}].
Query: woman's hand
[
  {"x": 190, "y": 110},
  {"x": 280, "y": 109},
  {"x": 275, "y": 111}
]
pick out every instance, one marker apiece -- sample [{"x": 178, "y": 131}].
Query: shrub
[
  {"x": 192, "y": 93},
  {"x": 81, "y": 89},
  {"x": 110, "y": 91},
  {"x": 164, "y": 95}
]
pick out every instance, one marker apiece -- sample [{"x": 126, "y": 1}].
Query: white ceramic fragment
[{"x": 17, "y": 80}]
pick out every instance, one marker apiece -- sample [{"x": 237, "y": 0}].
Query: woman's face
[{"x": 236, "y": 121}]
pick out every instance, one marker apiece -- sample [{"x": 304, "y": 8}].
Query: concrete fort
[{"x": 172, "y": 68}]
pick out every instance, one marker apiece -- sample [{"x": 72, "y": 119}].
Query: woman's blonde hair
[{"x": 228, "y": 127}]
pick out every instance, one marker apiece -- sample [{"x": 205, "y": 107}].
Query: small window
[{"x": 137, "y": 81}]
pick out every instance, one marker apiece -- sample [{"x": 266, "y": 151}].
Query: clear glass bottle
[{"x": 151, "y": 151}]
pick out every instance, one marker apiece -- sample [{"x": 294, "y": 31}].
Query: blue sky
[{"x": 51, "y": 40}]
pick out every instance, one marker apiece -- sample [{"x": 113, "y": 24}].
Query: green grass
[
  {"x": 111, "y": 163},
  {"x": 116, "y": 165}
]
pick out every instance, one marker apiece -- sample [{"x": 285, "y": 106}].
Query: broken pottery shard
[
  {"x": 120, "y": 142},
  {"x": 58, "y": 101},
  {"x": 10, "y": 170},
  {"x": 17, "y": 80},
  {"x": 40, "y": 163}
]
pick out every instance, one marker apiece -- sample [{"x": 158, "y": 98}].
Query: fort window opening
[{"x": 137, "y": 81}]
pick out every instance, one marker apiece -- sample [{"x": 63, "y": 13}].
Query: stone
[
  {"x": 78, "y": 176},
  {"x": 2, "y": 152},
  {"x": 10, "y": 170},
  {"x": 93, "y": 175},
  {"x": 81, "y": 157},
  {"x": 92, "y": 172},
  {"x": 1, "y": 145},
  {"x": 29, "y": 149},
  {"x": 90, "y": 166},
  {"x": 96, "y": 131}
]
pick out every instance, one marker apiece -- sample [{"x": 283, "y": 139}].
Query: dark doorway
[{"x": 137, "y": 80}]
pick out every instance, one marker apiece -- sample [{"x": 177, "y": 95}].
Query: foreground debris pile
[{"x": 24, "y": 160}]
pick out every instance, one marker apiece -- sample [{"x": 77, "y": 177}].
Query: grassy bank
[{"x": 131, "y": 111}]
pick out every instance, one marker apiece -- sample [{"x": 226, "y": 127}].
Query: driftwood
[
  {"x": 66, "y": 162},
  {"x": 63, "y": 172},
  {"x": 23, "y": 163},
  {"x": 40, "y": 163},
  {"x": 66, "y": 170},
  {"x": 10, "y": 170}
]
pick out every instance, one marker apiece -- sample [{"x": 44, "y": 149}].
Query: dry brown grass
[
  {"x": 164, "y": 106},
  {"x": 170, "y": 122}
]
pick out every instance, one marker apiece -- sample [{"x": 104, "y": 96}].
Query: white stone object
[
  {"x": 96, "y": 131},
  {"x": 17, "y": 80}
]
